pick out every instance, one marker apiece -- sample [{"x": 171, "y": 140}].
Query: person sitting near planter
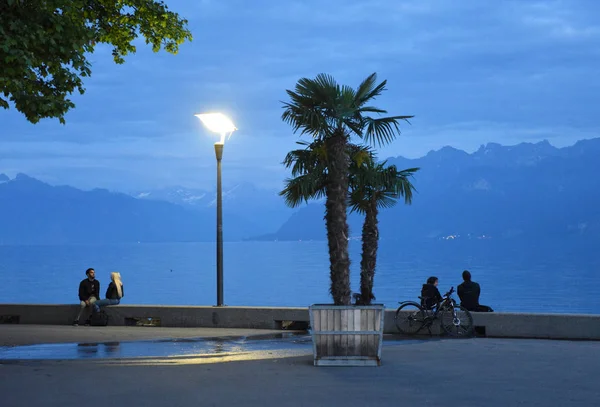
[
  {"x": 430, "y": 295},
  {"x": 468, "y": 292},
  {"x": 114, "y": 292}
]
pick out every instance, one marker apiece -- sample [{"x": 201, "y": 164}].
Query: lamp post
[{"x": 220, "y": 124}]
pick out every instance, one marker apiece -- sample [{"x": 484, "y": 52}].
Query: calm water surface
[{"x": 520, "y": 278}]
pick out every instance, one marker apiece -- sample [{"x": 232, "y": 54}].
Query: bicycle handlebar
[{"x": 449, "y": 293}]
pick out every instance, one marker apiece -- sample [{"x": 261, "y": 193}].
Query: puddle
[{"x": 159, "y": 348}]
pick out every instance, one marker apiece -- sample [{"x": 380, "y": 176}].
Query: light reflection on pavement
[{"x": 164, "y": 351}]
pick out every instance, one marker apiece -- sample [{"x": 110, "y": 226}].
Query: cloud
[
  {"x": 561, "y": 19},
  {"x": 518, "y": 71}
]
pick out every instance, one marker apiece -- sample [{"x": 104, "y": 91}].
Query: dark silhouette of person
[
  {"x": 89, "y": 293},
  {"x": 430, "y": 295},
  {"x": 468, "y": 292}
]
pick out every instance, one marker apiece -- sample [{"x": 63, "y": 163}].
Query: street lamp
[{"x": 222, "y": 125}]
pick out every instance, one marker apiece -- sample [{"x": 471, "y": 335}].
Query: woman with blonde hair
[{"x": 114, "y": 292}]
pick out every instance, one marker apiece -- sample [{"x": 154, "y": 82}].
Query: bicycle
[{"x": 411, "y": 317}]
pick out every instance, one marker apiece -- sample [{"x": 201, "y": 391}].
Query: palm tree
[
  {"x": 375, "y": 186},
  {"x": 372, "y": 185},
  {"x": 332, "y": 114}
]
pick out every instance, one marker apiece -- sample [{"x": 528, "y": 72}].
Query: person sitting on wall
[
  {"x": 468, "y": 292},
  {"x": 89, "y": 293},
  {"x": 114, "y": 292},
  {"x": 430, "y": 295}
]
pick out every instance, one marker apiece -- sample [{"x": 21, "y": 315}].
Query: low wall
[
  {"x": 496, "y": 324},
  {"x": 166, "y": 316},
  {"x": 520, "y": 325}
]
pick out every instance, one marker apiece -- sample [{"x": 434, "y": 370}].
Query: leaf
[
  {"x": 44, "y": 48},
  {"x": 383, "y": 130}
]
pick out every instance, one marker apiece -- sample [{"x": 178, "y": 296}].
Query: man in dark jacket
[
  {"x": 89, "y": 293},
  {"x": 468, "y": 292}
]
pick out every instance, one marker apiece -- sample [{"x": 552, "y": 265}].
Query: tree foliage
[
  {"x": 321, "y": 108},
  {"x": 380, "y": 184},
  {"x": 308, "y": 167},
  {"x": 370, "y": 180},
  {"x": 333, "y": 114},
  {"x": 45, "y": 45},
  {"x": 372, "y": 186}
]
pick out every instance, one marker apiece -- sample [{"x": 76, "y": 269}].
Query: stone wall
[{"x": 509, "y": 325}]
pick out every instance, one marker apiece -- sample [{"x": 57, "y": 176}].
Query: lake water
[{"x": 553, "y": 277}]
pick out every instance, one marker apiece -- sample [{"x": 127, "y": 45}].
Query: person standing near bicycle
[{"x": 430, "y": 295}]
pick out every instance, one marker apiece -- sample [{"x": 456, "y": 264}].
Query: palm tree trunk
[
  {"x": 335, "y": 217},
  {"x": 370, "y": 242}
]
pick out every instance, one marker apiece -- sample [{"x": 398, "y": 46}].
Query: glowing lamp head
[{"x": 217, "y": 123}]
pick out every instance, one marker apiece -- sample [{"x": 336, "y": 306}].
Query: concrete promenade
[{"x": 481, "y": 372}]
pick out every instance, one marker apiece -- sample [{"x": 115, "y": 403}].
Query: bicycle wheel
[
  {"x": 410, "y": 318},
  {"x": 457, "y": 321}
]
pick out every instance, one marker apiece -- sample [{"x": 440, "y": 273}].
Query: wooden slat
[
  {"x": 377, "y": 319},
  {"x": 337, "y": 326},
  {"x": 364, "y": 345},
  {"x": 330, "y": 327},
  {"x": 316, "y": 321},
  {"x": 351, "y": 345},
  {"x": 357, "y": 325},
  {"x": 323, "y": 341},
  {"x": 381, "y": 327},
  {"x": 315, "y": 325},
  {"x": 371, "y": 350},
  {"x": 344, "y": 328},
  {"x": 377, "y": 328}
]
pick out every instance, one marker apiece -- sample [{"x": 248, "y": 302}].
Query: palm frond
[
  {"x": 385, "y": 200},
  {"x": 379, "y": 182},
  {"x": 357, "y": 202},
  {"x": 321, "y": 108},
  {"x": 312, "y": 158},
  {"x": 324, "y": 82},
  {"x": 371, "y": 109},
  {"x": 345, "y": 106},
  {"x": 382, "y": 130},
  {"x": 303, "y": 117},
  {"x": 367, "y": 90},
  {"x": 302, "y": 189}
]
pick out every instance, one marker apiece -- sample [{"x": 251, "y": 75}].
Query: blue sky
[{"x": 471, "y": 71}]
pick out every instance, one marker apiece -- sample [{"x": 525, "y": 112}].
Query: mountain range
[
  {"x": 38, "y": 213},
  {"x": 261, "y": 208},
  {"x": 530, "y": 191}
]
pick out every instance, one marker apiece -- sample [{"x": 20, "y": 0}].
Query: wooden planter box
[{"x": 347, "y": 335}]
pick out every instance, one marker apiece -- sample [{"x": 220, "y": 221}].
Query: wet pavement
[
  {"x": 157, "y": 348},
  {"x": 433, "y": 372},
  {"x": 22, "y": 334}
]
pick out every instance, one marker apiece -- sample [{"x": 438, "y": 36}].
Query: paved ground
[
  {"x": 461, "y": 373},
  {"x": 11, "y": 335}
]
